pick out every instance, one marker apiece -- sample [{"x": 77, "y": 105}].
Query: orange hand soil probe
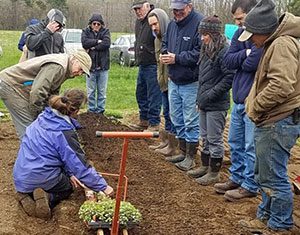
[{"x": 126, "y": 136}]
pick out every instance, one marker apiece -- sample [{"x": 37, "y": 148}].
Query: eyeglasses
[{"x": 96, "y": 24}]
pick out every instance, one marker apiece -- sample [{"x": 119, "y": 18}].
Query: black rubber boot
[
  {"x": 213, "y": 175},
  {"x": 180, "y": 157},
  {"x": 189, "y": 160},
  {"x": 203, "y": 169}
]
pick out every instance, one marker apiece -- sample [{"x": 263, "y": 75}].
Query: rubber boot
[
  {"x": 213, "y": 175},
  {"x": 42, "y": 208},
  {"x": 203, "y": 169},
  {"x": 180, "y": 157},
  {"x": 171, "y": 148},
  {"x": 26, "y": 203},
  {"x": 189, "y": 160},
  {"x": 164, "y": 141}
]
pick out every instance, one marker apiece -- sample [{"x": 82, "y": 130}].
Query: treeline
[{"x": 117, "y": 13}]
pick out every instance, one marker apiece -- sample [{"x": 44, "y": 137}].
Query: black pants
[{"x": 62, "y": 190}]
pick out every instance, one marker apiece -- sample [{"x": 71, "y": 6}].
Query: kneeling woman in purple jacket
[{"x": 50, "y": 160}]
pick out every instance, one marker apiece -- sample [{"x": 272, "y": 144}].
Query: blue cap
[{"x": 179, "y": 4}]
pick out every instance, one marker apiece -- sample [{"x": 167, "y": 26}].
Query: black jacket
[
  {"x": 99, "y": 52},
  {"x": 215, "y": 81},
  {"x": 41, "y": 41},
  {"x": 144, "y": 43}
]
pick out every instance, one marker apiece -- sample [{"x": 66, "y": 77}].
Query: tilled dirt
[{"x": 170, "y": 202}]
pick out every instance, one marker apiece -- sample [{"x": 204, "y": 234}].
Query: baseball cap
[
  {"x": 84, "y": 60},
  {"x": 245, "y": 36},
  {"x": 179, "y": 4},
  {"x": 57, "y": 15},
  {"x": 137, "y": 4}
]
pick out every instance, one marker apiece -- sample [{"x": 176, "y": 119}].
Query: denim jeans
[
  {"x": 273, "y": 145},
  {"x": 148, "y": 94},
  {"x": 184, "y": 114},
  {"x": 212, "y": 126},
  {"x": 96, "y": 85},
  {"x": 241, "y": 142},
  {"x": 169, "y": 127}
]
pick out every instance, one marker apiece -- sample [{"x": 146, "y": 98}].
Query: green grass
[{"x": 121, "y": 83}]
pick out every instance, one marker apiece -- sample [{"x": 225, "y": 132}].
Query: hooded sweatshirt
[
  {"x": 97, "y": 44},
  {"x": 162, "y": 69},
  {"x": 276, "y": 89},
  {"x": 41, "y": 41},
  {"x": 50, "y": 148}
]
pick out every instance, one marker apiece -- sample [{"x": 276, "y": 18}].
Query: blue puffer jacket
[
  {"x": 182, "y": 39},
  {"x": 215, "y": 81},
  {"x": 50, "y": 147},
  {"x": 246, "y": 66}
]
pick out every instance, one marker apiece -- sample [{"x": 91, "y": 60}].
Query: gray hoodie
[{"x": 162, "y": 69}]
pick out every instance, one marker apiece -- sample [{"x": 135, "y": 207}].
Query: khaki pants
[{"x": 18, "y": 108}]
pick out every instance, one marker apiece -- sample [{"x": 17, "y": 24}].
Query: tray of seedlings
[{"x": 98, "y": 210}]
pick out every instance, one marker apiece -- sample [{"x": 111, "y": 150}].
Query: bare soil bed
[{"x": 171, "y": 203}]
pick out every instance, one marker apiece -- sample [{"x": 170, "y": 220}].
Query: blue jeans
[
  {"x": 96, "y": 89},
  {"x": 169, "y": 127},
  {"x": 241, "y": 142},
  {"x": 184, "y": 114},
  {"x": 148, "y": 94},
  {"x": 212, "y": 126},
  {"x": 273, "y": 145}
]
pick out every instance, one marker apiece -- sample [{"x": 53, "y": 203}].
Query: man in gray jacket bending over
[{"x": 26, "y": 87}]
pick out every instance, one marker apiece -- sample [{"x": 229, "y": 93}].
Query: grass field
[{"x": 121, "y": 84}]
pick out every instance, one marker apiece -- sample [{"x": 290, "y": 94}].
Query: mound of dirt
[{"x": 170, "y": 202}]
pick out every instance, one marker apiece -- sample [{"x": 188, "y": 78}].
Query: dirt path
[{"x": 170, "y": 202}]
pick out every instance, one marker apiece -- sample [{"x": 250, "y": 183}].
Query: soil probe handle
[{"x": 129, "y": 134}]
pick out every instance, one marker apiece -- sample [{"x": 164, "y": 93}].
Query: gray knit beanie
[
  {"x": 210, "y": 25},
  {"x": 262, "y": 19}
]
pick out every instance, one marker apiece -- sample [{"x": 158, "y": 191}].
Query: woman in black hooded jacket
[{"x": 213, "y": 99}]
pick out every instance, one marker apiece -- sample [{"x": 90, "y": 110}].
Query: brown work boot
[
  {"x": 171, "y": 148},
  {"x": 42, "y": 208},
  {"x": 26, "y": 203},
  {"x": 140, "y": 126},
  {"x": 223, "y": 187},
  {"x": 254, "y": 225},
  {"x": 239, "y": 193},
  {"x": 164, "y": 141},
  {"x": 152, "y": 128}
]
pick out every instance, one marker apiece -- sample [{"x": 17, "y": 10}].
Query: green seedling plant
[{"x": 103, "y": 212}]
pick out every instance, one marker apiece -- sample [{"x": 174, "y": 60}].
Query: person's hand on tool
[{"x": 76, "y": 182}]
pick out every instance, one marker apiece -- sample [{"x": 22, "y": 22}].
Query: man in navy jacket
[
  {"x": 182, "y": 43},
  {"x": 244, "y": 57}
]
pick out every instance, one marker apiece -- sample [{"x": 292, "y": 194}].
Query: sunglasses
[{"x": 96, "y": 23}]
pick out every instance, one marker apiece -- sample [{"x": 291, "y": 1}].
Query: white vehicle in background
[
  {"x": 72, "y": 39},
  {"x": 122, "y": 50}
]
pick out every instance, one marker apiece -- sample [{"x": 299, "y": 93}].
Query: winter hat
[
  {"x": 137, "y": 4},
  {"x": 179, "y": 4},
  {"x": 56, "y": 15},
  {"x": 262, "y": 19},
  {"x": 211, "y": 25},
  {"x": 96, "y": 17},
  {"x": 84, "y": 60}
]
